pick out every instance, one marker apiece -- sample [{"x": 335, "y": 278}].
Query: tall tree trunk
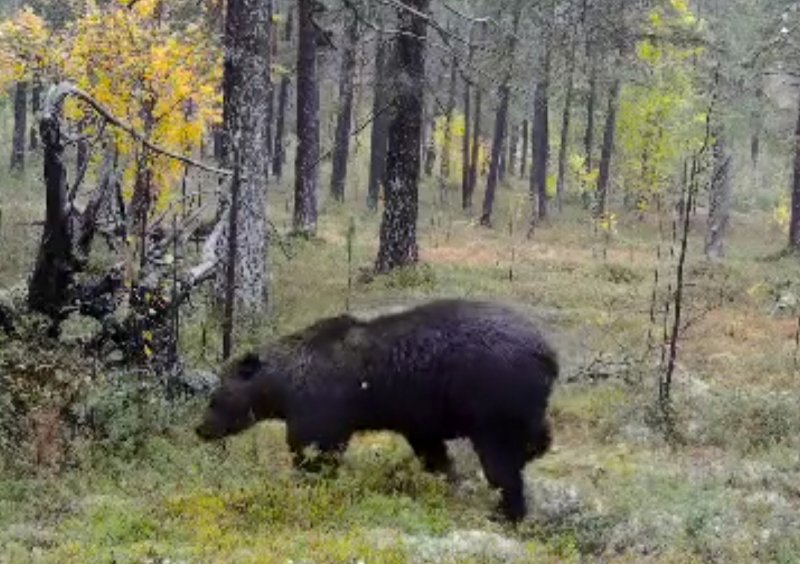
[
  {"x": 475, "y": 150},
  {"x": 272, "y": 48},
  {"x": 755, "y": 139},
  {"x": 20, "y": 127},
  {"x": 541, "y": 138},
  {"x": 307, "y": 158},
  {"x": 430, "y": 142},
  {"x": 380, "y": 125},
  {"x": 246, "y": 83},
  {"x": 500, "y": 122},
  {"x": 466, "y": 198},
  {"x": 501, "y": 165},
  {"x": 523, "y": 160},
  {"x": 444, "y": 170},
  {"x": 398, "y": 233},
  {"x": 48, "y": 288},
  {"x": 279, "y": 153},
  {"x": 565, "y": 122},
  {"x": 719, "y": 197},
  {"x": 591, "y": 102},
  {"x": 794, "y": 222},
  {"x": 36, "y": 103},
  {"x": 513, "y": 143},
  {"x": 608, "y": 148},
  {"x": 279, "y": 144},
  {"x": 341, "y": 150}
]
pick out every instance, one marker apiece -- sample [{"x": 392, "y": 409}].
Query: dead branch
[{"x": 59, "y": 92}]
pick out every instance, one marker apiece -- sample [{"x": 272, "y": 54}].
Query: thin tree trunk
[
  {"x": 608, "y": 148},
  {"x": 341, "y": 150},
  {"x": 48, "y": 288},
  {"x": 398, "y": 233},
  {"x": 380, "y": 126},
  {"x": 466, "y": 199},
  {"x": 444, "y": 171},
  {"x": 794, "y": 222},
  {"x": 430, "y": 144},
  {"x": 513, "y": 143},
  {"x": 503, "y": 159},
  {"x": 500, "y": 123},
  {"x": 246, "y": 83},
  {"x": 541, "y": 138},
  {"x": 20, "y": 127},
  {"x": 475, "y": 153},
  {"x": 719, "y": 197},
  {"x": 588, "y": 138},
  {"x": 36, "y": 103},
  {"x": 307, "y": 158},
  {"x": 279, "y": 145},
  {"x": 523, "y": 161},
  {"x": 565, "y": 122},
  {"x": 279, "y": 154},
  {"x": 755, "y": 139}
]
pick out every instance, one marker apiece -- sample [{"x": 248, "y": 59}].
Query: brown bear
[{"x": 443, "y": 370}]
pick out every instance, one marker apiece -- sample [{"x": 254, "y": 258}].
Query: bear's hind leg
[
  {"x": 502, "y": 460},
  {"x": 434, "y": 456}
]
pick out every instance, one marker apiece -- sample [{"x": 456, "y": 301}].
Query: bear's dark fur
[{"x": 444, "y": 370}]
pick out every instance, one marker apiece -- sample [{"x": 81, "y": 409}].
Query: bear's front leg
[{"x": 316, "y": 449}]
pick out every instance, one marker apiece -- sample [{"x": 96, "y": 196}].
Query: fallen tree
[{"x": 136, "y": 305}]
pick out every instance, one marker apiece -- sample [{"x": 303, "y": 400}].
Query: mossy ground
[{"x": 611, "y": 488}]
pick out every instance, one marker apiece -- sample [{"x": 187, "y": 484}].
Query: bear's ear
[{"x": 249, "y": 365}]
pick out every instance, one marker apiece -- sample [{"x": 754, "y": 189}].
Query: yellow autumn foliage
[
  {"x": 457, "y": 130},
  {"x": 24, "y": 47},
  {"x": 162, "y": 81}
]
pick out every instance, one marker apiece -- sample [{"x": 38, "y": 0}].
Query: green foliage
[{"x": 661, "y": 117}]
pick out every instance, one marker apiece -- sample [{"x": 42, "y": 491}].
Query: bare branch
[{"x": 59, "y": 92}]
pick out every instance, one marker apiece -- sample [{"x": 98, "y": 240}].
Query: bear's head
[{"x": 244, "y": 397}]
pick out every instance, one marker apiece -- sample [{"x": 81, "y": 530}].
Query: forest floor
[{"x": 726, "y": 489}]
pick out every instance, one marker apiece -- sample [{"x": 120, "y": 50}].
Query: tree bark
[
  {"x": 307, "y": 158},
  {"x": 475, "y": 150},
  {"x": 36, "y": 106},
  {"x": 398, "y": 233},
  {"x": 500, "y": 123},
  {"x": 430, "y": 145},
  {"x": 279, "y": 154},
  {"x": 591, "y": 101},
  {"x": 466, "y": 199},
  {"x": 49, "y": 286},
  {"x": 246, "y": 83},
  {"x": 20, "y": 127},
  {"x": 755, "y": 139},
  {"x": 279, "y": 145},
  {"x": 444, "y": 171},
  {"x": 719, "y": 197},
  {"x": 794, "y": 222},
  {"x": 523, "y": 161},
  {"x": 341, "y": 151},
  {"x": 513, "y": 143},
  {"x": 380, "y": 126},
  {"x": 503, "y": 159},
  {"x": 608, "y": 148},
  {"x": 565, "y": 122},
  {"x": 541, "y": 139}
]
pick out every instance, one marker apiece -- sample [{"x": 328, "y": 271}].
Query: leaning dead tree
[{"x": 137, "y": 313}]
